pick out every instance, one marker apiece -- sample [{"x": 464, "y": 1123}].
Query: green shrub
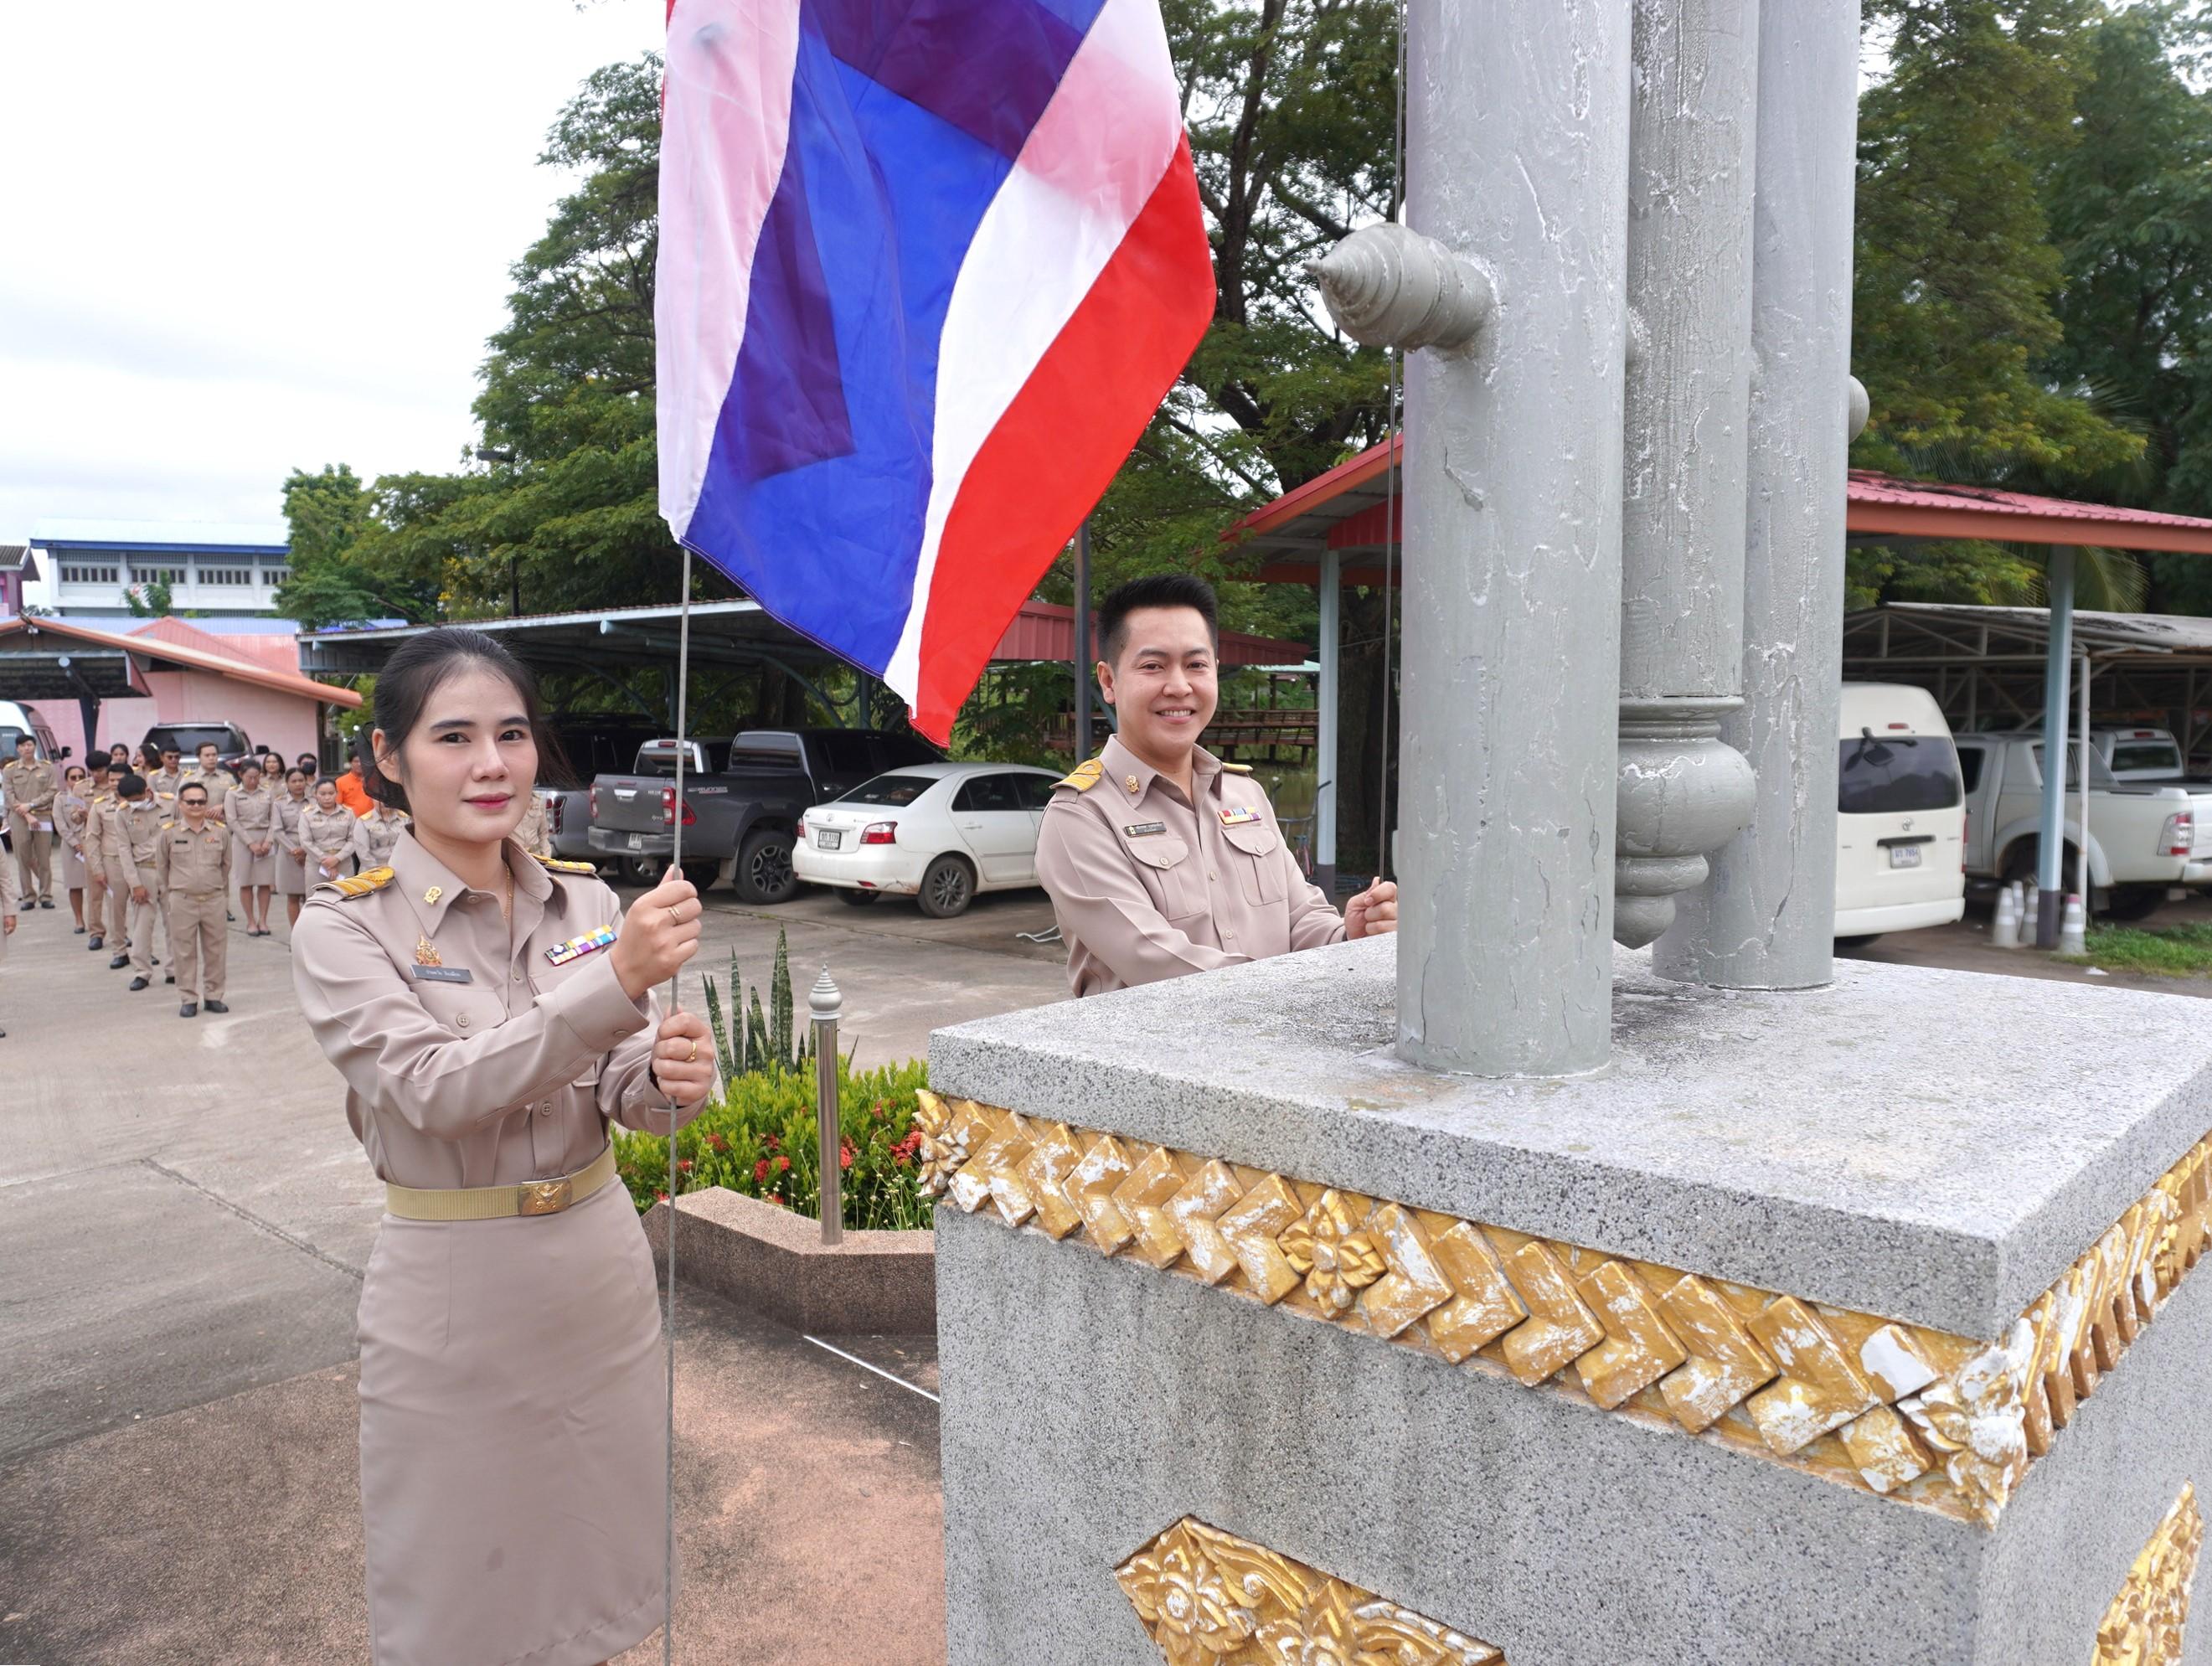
[{"x": 759, "y": 1138}]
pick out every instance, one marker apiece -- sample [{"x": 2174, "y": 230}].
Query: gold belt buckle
[{"x": 546, "y": 1197}]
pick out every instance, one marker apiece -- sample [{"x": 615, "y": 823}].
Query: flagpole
[
  {"x": 1083, "y": 640},
  {"x": 675, "y": 1005}
]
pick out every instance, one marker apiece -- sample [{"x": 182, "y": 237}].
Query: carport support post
[
  {"x": 1512, "y": 504},
  {"x": 1332, "y": 633},
  {"x": 1766, "y": 920},
  {"x": 2057, "y": 661}
]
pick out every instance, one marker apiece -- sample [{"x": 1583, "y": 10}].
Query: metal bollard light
[{"x": 823, "y": 1004}]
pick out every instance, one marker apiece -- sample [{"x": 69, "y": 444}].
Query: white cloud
[{"x": 243, "y": 237}]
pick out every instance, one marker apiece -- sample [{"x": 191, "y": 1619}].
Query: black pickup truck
[{"x": 742, "y": 798}]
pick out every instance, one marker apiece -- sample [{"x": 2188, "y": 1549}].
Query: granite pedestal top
[{"x": 1928, "y": 1146}]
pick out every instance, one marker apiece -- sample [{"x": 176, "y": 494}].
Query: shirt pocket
[
  {"x": 461, "y": 1010},
  {"x": 1162, "y": 863},
  {"x": 1258, "y": 862}
]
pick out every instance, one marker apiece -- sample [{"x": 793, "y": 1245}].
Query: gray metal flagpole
[{"x": 675, "y": 1005}]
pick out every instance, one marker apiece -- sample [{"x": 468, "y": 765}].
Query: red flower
[
  {"x": 781, "y": 1163},
  {"x": 760, "y": 1172},
  {"x": 773, "y": 1143},
  {"x": 683, "y": 1165},
  {"x": 661, "y": 1196},
  {"x": 845, "y": 1155},
  {"x": 718, "y": 1142}
]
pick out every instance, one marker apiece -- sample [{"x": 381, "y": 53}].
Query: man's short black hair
[
  {"x": 23, "y": 740},
  {"x": 1153, "y": 590},
  {"x": 132, "y": 785},
  {"x": 192, "y": 787}
]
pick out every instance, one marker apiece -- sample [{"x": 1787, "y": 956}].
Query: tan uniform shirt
[
  {"x": 166, "y": 781},
  {"x": 71, "y": 811},
  {"x": 470, "y": 1057},
  {"x": 30, "y": 788},
  {"x": 375, "y": 835},
  {"x": 195, "y": 864},
  {"x": 220, "y": 785},
  {"x": 252, "y": 816},
  {"x": 1147, "y": 884},
  {"x": 139, "y": 834},
  {"x": 285, "y": 821},
  {"x": 106, "y": 840},
  {"x": 327, "y": 837},
  {"x": 530, "y": 833}
]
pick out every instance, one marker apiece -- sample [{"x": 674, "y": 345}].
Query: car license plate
[
  {"x": 637, "y": 841},
  {"x": 1905, "y": 855},
  {"x": 829, "y": 838}
]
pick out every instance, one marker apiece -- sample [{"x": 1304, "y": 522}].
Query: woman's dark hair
[
  {"x": 411, "y": 676},
  {"x": 294, "y": 771}
]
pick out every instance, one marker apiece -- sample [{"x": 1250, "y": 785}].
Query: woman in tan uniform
[
  {"x": 491, "y": 1014},
  {"x": 253, "y": 846},
  {"x": 69, "y": 813},
  {"x": 326, "y": 834},
  {"x": 291, "y": 846}
]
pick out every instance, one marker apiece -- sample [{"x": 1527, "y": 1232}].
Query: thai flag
[{"x": 926, "y": 269}]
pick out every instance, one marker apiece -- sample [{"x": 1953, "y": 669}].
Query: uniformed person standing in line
[
  {"x": 31, "y": 783},
  {"x": 169, "y": 776},
  {"x": 253, "y": 863},
  {"x": 94, "y": 793},
  {"x": 193, "y": 869},
  {"x": 326, "y": 832},
  {"x": 219, "y": 781},
  {"x": 532, "y": 835},
  {"x": 1160, "y": 859},
  {"x": 138, "y": 826},
  {"x": 375, "y": 832},
  {"x": 291, "y": 849},
  {"x": 69, "y": 808},
  {"x": 106, "y": 820}
]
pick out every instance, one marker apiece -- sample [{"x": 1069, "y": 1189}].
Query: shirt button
[
  {"x": 463, "y": 1020},
  {"x": 546, "y": 1109}
]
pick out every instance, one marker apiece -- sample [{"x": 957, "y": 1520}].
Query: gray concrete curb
[{"x": 775, "y": 1262}]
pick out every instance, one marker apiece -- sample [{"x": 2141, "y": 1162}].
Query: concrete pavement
[{"x": 184, "y": 1219}]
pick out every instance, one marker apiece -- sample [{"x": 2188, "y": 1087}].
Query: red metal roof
[
  {"x": 1352, "y": 508},
  {"x": 172, "y": 655}
]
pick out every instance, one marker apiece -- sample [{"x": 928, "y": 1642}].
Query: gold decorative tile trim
[
  {"x": 2143, "y": 1626},
  {"x": 1210, "y": 1598},
  {"x": 1913, "y": 1414}
]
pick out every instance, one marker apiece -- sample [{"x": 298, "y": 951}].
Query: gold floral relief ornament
[
  {"x": 2143, "y": 1626},
  {"x": 1209, "y": 1598},
  {"x": 1339, "y": 1261}
]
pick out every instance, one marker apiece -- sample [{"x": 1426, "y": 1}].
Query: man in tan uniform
[
  {"x": 1160, "y": 859},
  {"x": 531, "y": 831},
  {"x": 220, "y": 782},
  {"x": 192, "y": 866},
  {"x": 95, "y": 790},
  {"x": 165, "y": 780},
  {"x": 137, "y": 824},
  {"x": 31, "y": 783}
]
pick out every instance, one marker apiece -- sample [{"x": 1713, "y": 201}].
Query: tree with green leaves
[{"x": 1958, "y": 282}]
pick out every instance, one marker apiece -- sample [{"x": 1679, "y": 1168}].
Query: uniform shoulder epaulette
[
  {"x": 363, "y": 815},
  {"x": 560, "y": 866},
  {"x": 1083, "y": 777},
  {"x": 360, "y": 885},
  {"x": 1236, "y": 768}
]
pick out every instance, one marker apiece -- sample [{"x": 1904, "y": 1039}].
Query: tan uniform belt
[{"x": 529, "y": 1197}]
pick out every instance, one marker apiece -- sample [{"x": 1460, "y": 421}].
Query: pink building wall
[{"x": 287, "y": 722}]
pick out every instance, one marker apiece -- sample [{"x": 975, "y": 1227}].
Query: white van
[
  {"x": 1900, "y": 814},
  {"x": 16, "y": 721}
]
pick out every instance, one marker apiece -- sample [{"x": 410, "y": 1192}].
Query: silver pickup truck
[
  {"x": 2144, "y": 836},
  {"x": 742, "y": 798}
]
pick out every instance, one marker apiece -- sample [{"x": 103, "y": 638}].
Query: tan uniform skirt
[
  {"x": 248, "y": 869},
  {"x": 512, "y": 1403},
  {"x": 72, "y": 869},
  {"x": 291, "y": 876}
]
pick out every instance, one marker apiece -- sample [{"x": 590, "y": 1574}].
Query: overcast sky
[{"x": 238, "y": 237}]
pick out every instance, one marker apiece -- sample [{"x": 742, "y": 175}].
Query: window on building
[
  {"x": 280, "y": 575},
  {"x": 73, "y": 574},
  {"x": 239, "y": 575},
  {"x": 169, "y": 576}
]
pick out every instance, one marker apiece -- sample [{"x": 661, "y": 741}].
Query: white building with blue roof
[{"x": 217, "y": 570}]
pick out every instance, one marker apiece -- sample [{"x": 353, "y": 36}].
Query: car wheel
[
  {"x": 637, "y": 871},
  {"x": 701, "y": 875},
  {"x": 852, "y": 897},
  {"x": 1857, "y": 942},
  {"x": 764, "y": 870},
  {"x": 947, "y": 888}
]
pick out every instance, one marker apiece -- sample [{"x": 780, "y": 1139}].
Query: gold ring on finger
[{"x": 693, "y": 1055}]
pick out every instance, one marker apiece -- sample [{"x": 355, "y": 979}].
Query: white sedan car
[{"x": 936, "y": 832}]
